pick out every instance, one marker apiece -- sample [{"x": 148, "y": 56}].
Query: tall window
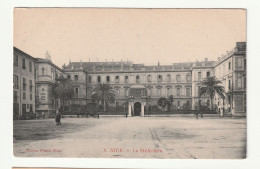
[
  {"x": 76, "y": 77},
  {"x": 199, "y": 76},
  {"x": 30, "y": 66},
  {"x": 168, "y": 91},
  {"x": 149, "y": 92},
  {"x": 159, "y": 91},
  {"x": 188, "y": 78},
  {"x": 43, "y": 71},
  {"x": 137, "y": 79},
  {"x": 24, "y": 95},
  {"x": 208, "y": 74},
  {"x": 15, "y": 96},
  {"x": 117, "y": 92},
  {"x": 68, "y": 76},
  {"x": 178, "y": 78},
  {"x": 168, "y": 78},
  {"x": 30, "y": 96},
  {"x": 187, "y": 91},
  {"x": 178, "y": 91},
  {"x": 239, "y": 82},
  {"x": 31, "y": 86},
  {"x": 16, "y": 82},
  {"x": 126, "y": 91},
  {"x": 126, "y": 79},
  {"x": 99, "y": 79},
  {"x": 89, "y": 79},
  {"x": 244, "y": 64},
  {"x": 229, "y": 65},
  {"x": 16, "y": 60},
  {"x": 159, "y": 78},
  {"x": 77, "y": 91},
  {"x": 24, "y": 84},
  {"x": 52, "y": 75},
  {"x": 244, "y": 83},
  {"x": 149, "y": 78},
  {"x": 229, "y": 84},
  {"x": 24, "y": 65},
  {"x": 108, "y": 79},
  {"x": 239, "y": 62},
  {"x": 198, "y": 89},
  {"x": 117, "y": 79}
]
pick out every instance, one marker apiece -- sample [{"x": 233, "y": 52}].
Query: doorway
[{"x": 137, "y": 109}]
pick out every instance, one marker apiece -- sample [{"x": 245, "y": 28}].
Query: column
[
  {"x": 129, "y": 109},
  {"x": 142, "y": 110}
]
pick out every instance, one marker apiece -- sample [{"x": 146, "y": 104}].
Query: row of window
[
  {"x": 241, "y": 63},
  {"x": 200, "y": 75},
  {"x": 76, "y": 77},
  {"x": 16, "y": 62},
  {"x": 24, "y": 96},
  {"x": 16, "y": 83},
  {"x": 137, "y": 78},
  {"x": 149, "y": 92}
]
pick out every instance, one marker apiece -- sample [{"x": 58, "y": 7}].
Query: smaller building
[{"x": 46, "y": 74}]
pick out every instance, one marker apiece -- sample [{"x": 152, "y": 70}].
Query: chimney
[{"x": 48, "y": 56}]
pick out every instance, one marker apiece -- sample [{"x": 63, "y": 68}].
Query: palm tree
[
  {"x": 104, "y": 94},
  {"x": 210, "y": 86}
]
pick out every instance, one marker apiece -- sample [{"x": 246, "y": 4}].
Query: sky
[{"x": 139, "y": 35}]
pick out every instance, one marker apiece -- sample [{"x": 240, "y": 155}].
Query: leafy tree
[
  {"x": 63, "y": 90},
  {"x": 170, "y": 99},
  {"x": 104, "y": 94},
  {"x": 165, "y": 103},
  {"x": 162, "y": 102},
  {"x": 210, "y": 86}
]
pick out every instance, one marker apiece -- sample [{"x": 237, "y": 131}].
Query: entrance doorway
[{"x": 137, "y": 109}]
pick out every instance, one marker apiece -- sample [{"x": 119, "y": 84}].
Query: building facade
[
  {"x": 231, "y": 70},
  {"x": 139, "y": 86},
  {"x": 46, "y": 74},
  {"x": 23, "y": 84}
]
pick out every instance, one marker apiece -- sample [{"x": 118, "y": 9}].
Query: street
[{"x": 132, "y": 137}]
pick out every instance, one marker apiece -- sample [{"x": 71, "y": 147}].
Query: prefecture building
[{"x": 139, "y": 86}]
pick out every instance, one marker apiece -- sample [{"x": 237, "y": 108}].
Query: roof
[{"x": 23, "y": 53}]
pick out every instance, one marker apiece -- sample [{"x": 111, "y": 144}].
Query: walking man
[
  {"x": 57, "y": 118},
  {"x": 200, "y": 109}
]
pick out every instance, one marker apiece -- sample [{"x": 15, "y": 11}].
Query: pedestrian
[
  {"x": 57, "y": 118},
  {"x": 196, "y": 114},
  {"x": 200, "y": 109},
  {"x": 126, "y": 115}
]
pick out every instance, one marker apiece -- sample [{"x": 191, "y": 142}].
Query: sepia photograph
[{"x": 130, "y": 83}]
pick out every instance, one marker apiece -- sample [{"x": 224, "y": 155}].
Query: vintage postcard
[{"x": 130, "y": 83}]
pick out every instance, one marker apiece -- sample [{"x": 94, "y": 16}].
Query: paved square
[{"x": 133, "y": 137}]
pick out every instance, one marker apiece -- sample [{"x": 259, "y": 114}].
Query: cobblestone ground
[{"x": 134, "y": 137}]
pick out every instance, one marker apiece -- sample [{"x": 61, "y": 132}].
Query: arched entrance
[{"x": 137, "y": 109}]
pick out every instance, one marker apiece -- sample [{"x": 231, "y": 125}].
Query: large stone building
[{"x": 140, "y": 86}]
